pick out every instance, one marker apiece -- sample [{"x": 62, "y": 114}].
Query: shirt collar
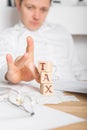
[{"x": 42, "y": 28}]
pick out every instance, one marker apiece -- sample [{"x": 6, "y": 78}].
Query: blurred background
[{"x": 70, "y": 13}]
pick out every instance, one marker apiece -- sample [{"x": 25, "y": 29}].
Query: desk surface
[{"x": 76, "y": 108}]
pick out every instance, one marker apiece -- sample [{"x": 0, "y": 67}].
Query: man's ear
[{"x": 17, "y": 2}]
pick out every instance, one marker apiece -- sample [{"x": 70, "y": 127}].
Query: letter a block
[{"x": 46, "y": 77}]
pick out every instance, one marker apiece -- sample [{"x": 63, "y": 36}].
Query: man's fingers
[
  {"x": 10, "y": 62},
  {"x": 34, "y": 71},
  {"x": 30, "y": 48},
  {"x": 21, "y": 60},
  {"x": 37, "y": 75}
]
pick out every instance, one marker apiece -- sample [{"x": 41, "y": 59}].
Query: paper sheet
[
  {"x": 71, "y": 86},
  {"x": 45, "y": 118},
  {"x": 34, "y": 93}
]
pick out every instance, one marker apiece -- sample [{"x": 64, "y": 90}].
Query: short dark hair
[{"x": 22, "y": 0}]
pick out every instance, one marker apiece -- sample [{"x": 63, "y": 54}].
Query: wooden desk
[{"x": 78, "y": 108}]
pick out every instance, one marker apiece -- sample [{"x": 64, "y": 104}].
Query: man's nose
[{"x": 37, "y": 14}]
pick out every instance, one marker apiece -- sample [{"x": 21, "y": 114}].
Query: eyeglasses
[{"x": 22, "y": 101}]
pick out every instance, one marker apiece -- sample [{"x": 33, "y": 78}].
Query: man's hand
[{"x": 23, "y": 68}]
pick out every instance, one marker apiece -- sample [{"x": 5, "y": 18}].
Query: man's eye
[
  {"x": 30, "y": 7},
  {"x": 44, "y": 10}
]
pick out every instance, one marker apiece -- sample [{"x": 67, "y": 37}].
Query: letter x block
[{"x": 46, "y": 89}]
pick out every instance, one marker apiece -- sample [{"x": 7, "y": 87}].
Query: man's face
[{"x": 34, "y": 12}]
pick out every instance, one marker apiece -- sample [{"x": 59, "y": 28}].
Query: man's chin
[{"x": 34, "y": 28}]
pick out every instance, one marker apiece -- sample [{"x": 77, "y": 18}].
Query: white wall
[
  {"x": 74, "y": 18},
  {"x": 8, "y": 17}
]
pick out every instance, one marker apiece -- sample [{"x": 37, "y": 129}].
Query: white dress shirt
[{"x": 51, "y": 43}]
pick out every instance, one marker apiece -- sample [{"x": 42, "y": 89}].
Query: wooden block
[
  {"x": 45, "y": 66},
  {"x": 46, "y": 89},
  {"x": 46, "y": 77}
]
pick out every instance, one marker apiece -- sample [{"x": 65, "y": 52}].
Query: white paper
[
  {"x": 45, "y": 118},
  {"x": 34, "y": 93},
  {"x": 71, "y": 86}
]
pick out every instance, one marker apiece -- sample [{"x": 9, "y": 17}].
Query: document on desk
[
  {"x": 45, "y": 118},
  {"x": 71, "y": 86}
]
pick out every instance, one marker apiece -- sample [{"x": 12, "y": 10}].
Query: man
[{"x": 44, "y": 42}]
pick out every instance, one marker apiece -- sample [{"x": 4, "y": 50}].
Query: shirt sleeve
[{"x": 6, "y": 47}]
